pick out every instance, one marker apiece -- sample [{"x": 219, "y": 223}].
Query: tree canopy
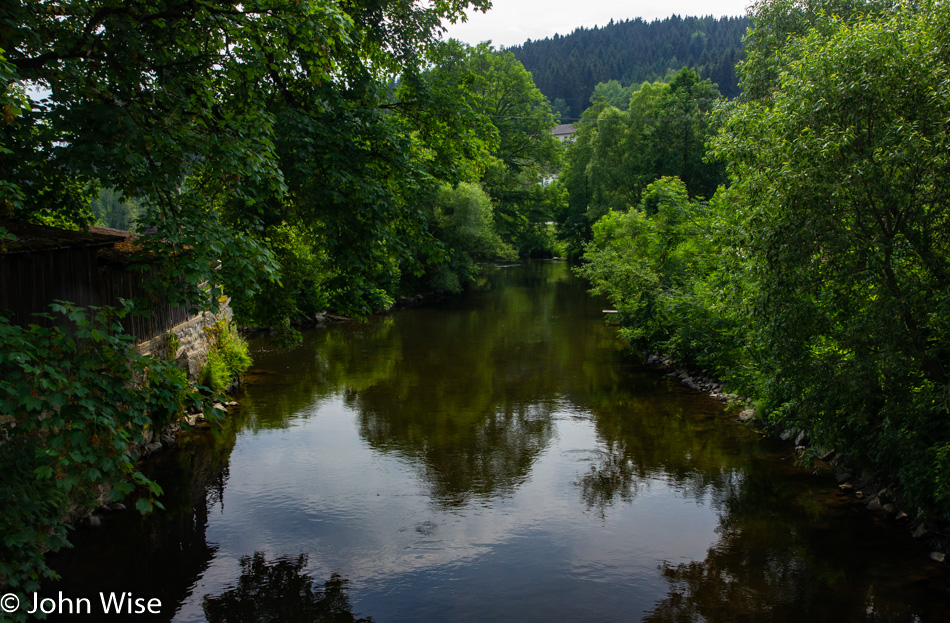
[
  {"x": 517, "y": 148},
  {"x": 227, "y": 121},
  {"x": 839, "y": 172},
  {"x": 661, "y": 131},
  {"x": 816, "y": 280}
]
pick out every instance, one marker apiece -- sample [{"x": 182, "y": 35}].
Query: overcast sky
[{"x": 512, "y": 22}]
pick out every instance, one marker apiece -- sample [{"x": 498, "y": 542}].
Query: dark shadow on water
[
  {"x": 784, "y": 554},
  {"x": 163, "y": 554},
  {"x": 278, "y": 591}
]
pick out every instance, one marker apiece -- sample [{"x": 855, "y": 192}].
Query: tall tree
[
  {"x": 197, "y": 108},
  {"x": 618, "y": 153},
  {"x": 521, "y": 148},
  {"x": 838, "y": 167}
]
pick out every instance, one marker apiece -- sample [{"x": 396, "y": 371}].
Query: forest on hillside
[{"x": 633, "y": 51}]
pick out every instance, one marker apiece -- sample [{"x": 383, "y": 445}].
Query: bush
[
  {"x": 228, "y": 356},
  {"x": 464, "y": 222},
  {"x": 662, "y": 266},
  {"x": 74, "y": 398}
]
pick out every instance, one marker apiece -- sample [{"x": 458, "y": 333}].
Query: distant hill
[{"x": 632, "y": 51}]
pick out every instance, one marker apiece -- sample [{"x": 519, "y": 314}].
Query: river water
[{"x": 496, "y": 457}]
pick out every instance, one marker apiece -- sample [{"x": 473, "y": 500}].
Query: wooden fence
[{"x": 51, "y": 265}]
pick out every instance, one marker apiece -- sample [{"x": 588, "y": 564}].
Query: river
[{"x": 498, "y": 456}]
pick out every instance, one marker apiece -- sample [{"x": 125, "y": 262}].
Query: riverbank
[{"x": 880, "y": 496}]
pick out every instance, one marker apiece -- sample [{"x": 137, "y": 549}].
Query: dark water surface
[{"x": 495, "y": 458}]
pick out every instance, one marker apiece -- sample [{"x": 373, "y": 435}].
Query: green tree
[
  {"x": 612, "y": 93},
  {"x": 266, "y": 147},
  {"x": 573, "y": 222},
  {"x": 519, "y": 148},
  {"x": 662, "y": 266},
  {"x": 683, "y": 125},
  {"x": 838, "y": 176},
  {"x": 198, "y": 111},
  {"x": 112, "y": 210},
  {"x": 779, "y": 23},
  {"x": 618, "y": 153},
  {"x": 464, "y": 222},
  {"x": 561, "y": 110}
]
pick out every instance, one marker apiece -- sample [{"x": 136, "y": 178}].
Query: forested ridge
[{"x": 631, "y": 51}]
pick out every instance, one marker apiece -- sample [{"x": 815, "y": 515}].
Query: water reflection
[
  {"x": 163, "y": 554},
  {"x": 280, "y": 590},
  {"x": 463, "y": 454},
  {"x": 501, "y": 457},
  {"x": 611, "y": 477},
  {"x": 470, "y": 415},
  {"x": 786, "y": 554}
]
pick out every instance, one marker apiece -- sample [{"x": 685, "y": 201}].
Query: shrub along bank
[{"x": 77, "y": 402}]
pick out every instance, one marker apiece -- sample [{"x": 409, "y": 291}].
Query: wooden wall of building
[{"x": 30, "y": 281}]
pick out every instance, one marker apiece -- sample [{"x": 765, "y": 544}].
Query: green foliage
[
  {"x": 839, "y": 175},
  {"x": 215, "y": 373},
  {"x": 228, "y": 356},
  {"x": 464, "y": 223},
  {"x": 170, "y": 345},
  {"x": 572, "y": 219},
  {"x": 234, "y": 125},
  {"x": 561, "y": 110},
  {"x": 612, "y": 93},
  {"x": 819, "y": 282},
  {"x": 517, "y": 147},
  {"x": 74, "y": 397},
  {"x": 662, "y": 267},
  {"x": 301, "y": 291},
  {"x": 112, "y": 210},
  {"x": 13, "y": 103},
  {"x": 777, "y": 24},
  {"x": 661, "y": 131}
]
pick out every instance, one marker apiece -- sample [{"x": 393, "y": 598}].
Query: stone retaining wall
[{"x": 191, "y": 339}]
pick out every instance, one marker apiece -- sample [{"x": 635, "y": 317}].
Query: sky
[{"x": 512, "y": 22}]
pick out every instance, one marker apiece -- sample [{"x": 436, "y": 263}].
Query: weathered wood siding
[{"x": 29, "y": 282}]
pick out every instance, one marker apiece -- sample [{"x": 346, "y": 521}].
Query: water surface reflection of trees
[
  {"x": 470, "y": 400},
  {"x": 651, "y": 429},
  {"x": 169, "y": 547},
  {"x": 278, "y": 591},
  {"x": 783, "y": 555},
  {"x": 469, "y": 397},
  {"x": 466, "y": 397}
]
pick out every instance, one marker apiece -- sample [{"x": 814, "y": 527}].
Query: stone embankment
[
  {"x": 187, "y": 345},
  {"x": 876, "y": 494}
]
